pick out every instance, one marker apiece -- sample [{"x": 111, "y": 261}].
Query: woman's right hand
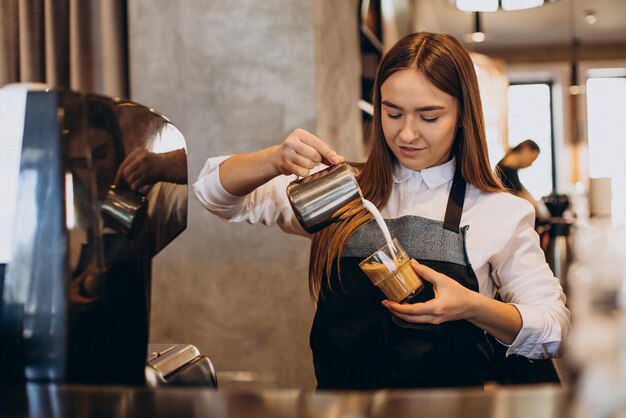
[
  {"x": 297, "y": 154},
  {"x": 301, "y": 151}
]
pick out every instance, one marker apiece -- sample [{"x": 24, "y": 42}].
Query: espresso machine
[
  {"x": 97, "y": 187},
  {"x": 558, "y": 249}
]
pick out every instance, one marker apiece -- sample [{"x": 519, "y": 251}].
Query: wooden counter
[{"x": 32, "y": 400}]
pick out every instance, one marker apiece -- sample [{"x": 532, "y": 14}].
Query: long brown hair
[{"x": 446, "y": 63}]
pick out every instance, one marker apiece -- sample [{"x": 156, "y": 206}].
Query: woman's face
[
  {"x": 419, "y": 120},
  {"x": 102, "y": 156}
]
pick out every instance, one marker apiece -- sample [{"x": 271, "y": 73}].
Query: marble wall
[{"x": 236, "y": 76}]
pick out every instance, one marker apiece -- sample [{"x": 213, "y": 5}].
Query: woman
[{"x": 428, "y": 173}]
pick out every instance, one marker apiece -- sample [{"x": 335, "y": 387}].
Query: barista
[
  {"x": 519, "y": 157},
  {"x": 428, "y": 173}
]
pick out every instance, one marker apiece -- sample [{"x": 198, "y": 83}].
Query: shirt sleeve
[
  {"x": 526, "y": 281},
  {"x": 267, "y": 204}
]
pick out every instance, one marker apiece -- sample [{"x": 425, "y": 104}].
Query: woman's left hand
[{"x": 452, "y": 300}]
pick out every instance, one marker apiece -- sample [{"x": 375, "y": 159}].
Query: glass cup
[{"x": 390, "y": 270}]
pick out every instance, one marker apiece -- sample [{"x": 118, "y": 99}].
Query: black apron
[{"x": 358, "y": 344}]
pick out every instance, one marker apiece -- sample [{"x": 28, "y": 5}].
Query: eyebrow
[{"x": 420, "y": 109}]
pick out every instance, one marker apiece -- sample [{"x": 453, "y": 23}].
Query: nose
[{"x": 408, "y": 133}]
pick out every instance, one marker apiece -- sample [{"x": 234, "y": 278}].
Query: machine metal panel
[{"x": 76, "y": 294}]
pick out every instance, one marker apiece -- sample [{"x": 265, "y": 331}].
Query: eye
[
  {"x": 394, "y": 115},
  {"x": 429, "y": 119}
]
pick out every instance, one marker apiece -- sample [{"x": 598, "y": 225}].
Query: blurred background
[{"x": 238, "y": 75}]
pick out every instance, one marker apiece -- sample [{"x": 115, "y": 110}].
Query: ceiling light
[
  {"x": 477, "y": 35},
  {"x": 494, "y": 5},
  {"x": 477, "y": 5},
  {"x": 574, "y": 87},
  {"x": 574, "y": 90},
  {"x": 520, "y": 4},
  {"x": 590, "y": 17}
]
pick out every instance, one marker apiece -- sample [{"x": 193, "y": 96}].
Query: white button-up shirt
[{"x": 502, "y": 245}]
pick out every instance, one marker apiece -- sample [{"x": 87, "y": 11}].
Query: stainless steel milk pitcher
[
  {"x": 324, "y": 197},
  {"x": 124, "y": 211}
]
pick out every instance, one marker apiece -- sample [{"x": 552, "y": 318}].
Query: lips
[{"x": 410, "y": 152}]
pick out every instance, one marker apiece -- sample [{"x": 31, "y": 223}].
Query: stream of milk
[{"x": 379, "y": 219}]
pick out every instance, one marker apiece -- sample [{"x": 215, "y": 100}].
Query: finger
[
  {"x": 325, "y": 150},
  {"x": 132, "y": 156},
  {"x": 302, "y": 161},
  {"x": 425, "y": 272},
  {"x": 123, "y": 165},
  {"x": 125, "y": 174},
  {"x": 296, "y": 169},
  {"x": 416, "y": 319},
  {"x": 129, "y": 175},
  {"x": 338, "y": 160},
  {"x": 297, "y": 152},
  {"x": 135, "y": 180},
  {"x": 420, "y": 308},
  {"x": 294, "y": 163},
  {"x": 305, "y": 150},
  {"x": 132, "y": 167},
  {"x": 119, "y": 176}
]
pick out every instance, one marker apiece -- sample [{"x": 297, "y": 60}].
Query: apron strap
[{"x": 456, "y": 199}]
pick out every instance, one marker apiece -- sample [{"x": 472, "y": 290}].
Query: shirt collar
[{"x": 432, "y": 176}]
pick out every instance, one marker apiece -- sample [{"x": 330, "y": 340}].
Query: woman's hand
[
  {"x": 140, "y": 167},
  {"x": 297, "y": 154},
  {"x": 452, "y": 301},
  {"x": 301, "y": 151}
]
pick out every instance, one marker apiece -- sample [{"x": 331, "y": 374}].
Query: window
[
  {"x": 606, "y": 124},
  {"x": 606, "y": 101},
  {"x": 530, "y": 117}
]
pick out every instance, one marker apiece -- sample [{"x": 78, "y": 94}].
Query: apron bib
[{"x": 358, "y": 344}]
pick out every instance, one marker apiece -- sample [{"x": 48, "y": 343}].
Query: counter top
[{"x": 33, "y": 400}]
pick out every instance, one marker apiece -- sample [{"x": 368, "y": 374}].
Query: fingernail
[{"x": 335, "y": 160}]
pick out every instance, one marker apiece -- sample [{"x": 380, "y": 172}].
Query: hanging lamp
[{"x": 495, "y": 5}]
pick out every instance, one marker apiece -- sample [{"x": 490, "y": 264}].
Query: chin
[{"x": 411, "y": 163}]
